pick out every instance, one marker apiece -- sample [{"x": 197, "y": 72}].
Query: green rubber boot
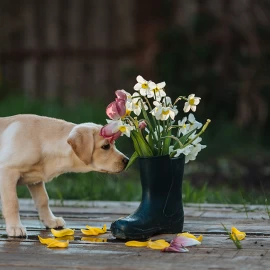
[{"x": 161, "y": 208}]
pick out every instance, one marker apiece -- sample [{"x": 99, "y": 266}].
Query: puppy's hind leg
[
  {"x": 41, "y": 199},
  {"x": 10, "y": 204}
]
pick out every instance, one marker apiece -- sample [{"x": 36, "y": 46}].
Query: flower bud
[{"x": 142, "y": 124}]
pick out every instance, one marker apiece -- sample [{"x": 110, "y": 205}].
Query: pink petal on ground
[
  {"x": 173, "y": 249},
  {"x": 182, "y": 241}
]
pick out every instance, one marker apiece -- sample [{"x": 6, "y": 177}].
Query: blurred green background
[{"x": 65, "y": 59}]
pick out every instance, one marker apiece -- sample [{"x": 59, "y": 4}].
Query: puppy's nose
[{"x": 125, "y": 161}]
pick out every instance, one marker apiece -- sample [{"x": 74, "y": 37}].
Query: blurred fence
[
  {"x": 66, "y": 48},
  {"x": 89, "y": 48}
]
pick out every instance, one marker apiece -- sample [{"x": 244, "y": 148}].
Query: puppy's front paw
[
  {"x": 16, "y": 231},
  {"x": 56, "y": 222}
]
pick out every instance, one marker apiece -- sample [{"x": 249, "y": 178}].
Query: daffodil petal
[
  {"x": 183, "y": 241},
  {"x": 158, "y": 244},
  {"x": 173, "y": 249},
  {"x": 45, "y": 241},
  {"x": 66, "y": 237},
  {"x": 101, "y": 230},
  {"x": 189, "y": 235},
  {"x": 94, "y": 230},
  {"x": 94, "y": 239},
  {"x": 60, "y": 244},
  {"x": 136, "y": 244},
  {"x": 235, "y": 233},
  {"x": 200, "y": 238},
  {"x": 61, "y": 233}
]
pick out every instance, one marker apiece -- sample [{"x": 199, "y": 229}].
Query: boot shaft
[{"x": 161, "y": 180}]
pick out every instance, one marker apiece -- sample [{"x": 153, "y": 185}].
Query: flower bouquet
[
  {"x": 163, "y": 146},
  {"x": 152, "y": 125}
]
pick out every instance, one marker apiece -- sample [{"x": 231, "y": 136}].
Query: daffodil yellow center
[
  {"x": 165, "y": 112},
  {"x": 127, "y": 113},
  {"x": 144, "y": 85},
  {"x": 156, "y": 90},
  {"x": 192, "y": 101},
  {"x": 122, "y": 129}
]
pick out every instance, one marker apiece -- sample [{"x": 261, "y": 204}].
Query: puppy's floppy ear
[{"x": 82, "y": 142}]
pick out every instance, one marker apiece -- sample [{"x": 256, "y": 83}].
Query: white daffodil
[
  {"x": 197, "y": 140},
  {"x": 183, "y": 127},
  {"x": 125, "y": 129},
  {"x": 186, "y": 151},
  {"x": 191, "y": 103},
  {"x": 163, "y": 113},
  {"x": 134, "y": 104},
  {"x": 193, "y": 123},
  {"x": 194, "y": 152},
  {"x": 166, "y": 101},
  {"x": 142, "y": 85},
  {"x": 156, "y": 90}
]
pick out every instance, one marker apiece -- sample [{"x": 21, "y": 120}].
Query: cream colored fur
[{"x": 35, "y": 149}]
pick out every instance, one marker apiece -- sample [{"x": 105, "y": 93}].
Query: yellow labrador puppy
[{"x": 35, "y": 149}]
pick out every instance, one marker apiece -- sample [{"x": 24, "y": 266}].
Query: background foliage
[{"x": 217, "y": 49}]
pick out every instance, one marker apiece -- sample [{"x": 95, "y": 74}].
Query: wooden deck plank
[{"x": 215, "y": 252}]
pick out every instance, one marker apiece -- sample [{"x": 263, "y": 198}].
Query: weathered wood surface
[{"x": 216, "y": 251}]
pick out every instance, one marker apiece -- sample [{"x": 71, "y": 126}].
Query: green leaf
[
  {"x": 166, "y": 143},
  {"x": 136, "y": 144},
  {"x": 140, "y": 145},
  {"x": 132, "y": 159},
  {"x": 184, "y": 138}
]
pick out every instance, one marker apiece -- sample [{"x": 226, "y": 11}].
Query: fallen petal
[
  {"x": 172, "y": 249},
  {"x": 94, "y": 239},
  {"x": 66, "y": 237},
  {"x": 235, "y": 233},
  {"x": 183, "y": 241},
  {"x": 189, "y": 235},
  {"x": 45, "y": 241},
  {"x": 59, "y": 244},
  {"x": 136, "y": 244},
  {"x": 94, "y": 230},
  {"x": 158, "y": 244},
  {"x": 61, "y": 233}
]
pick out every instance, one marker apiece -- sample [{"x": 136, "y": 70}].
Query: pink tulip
[
  {"x": 142, "y": 125},
  {"x": 110, "y": 131},
  {"x": 117, "y": 108},
  {"x": 121, "y": 94}
]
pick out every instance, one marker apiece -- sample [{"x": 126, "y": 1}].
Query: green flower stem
[
  {"x": 199, "y": 134},
  {"x": 179, "y": 98},
  {"x": 235, "y": 239}
]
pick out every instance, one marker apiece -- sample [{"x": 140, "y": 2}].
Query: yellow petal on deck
[
  {"x": 158, "y": 244},
  {"x": 61, "y": 233},
  {"x": 189, "y": 235},
  {"x": 94, "y": 239},
  {"x": 235, "y": 233},
  {"x": 58, "y": 244},
  {"x": 66, "y": 237},
  {"x": 94, "y": 230},
  {"x": 45, "y": 241},
  {"x": 136, "y": 244}
]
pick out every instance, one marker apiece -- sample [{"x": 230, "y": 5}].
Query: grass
[{"x": 126, "y": 187}]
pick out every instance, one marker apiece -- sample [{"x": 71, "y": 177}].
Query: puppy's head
[{"x": 95, "y": 151}]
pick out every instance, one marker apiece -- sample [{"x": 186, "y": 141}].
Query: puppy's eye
[{"x": 106, "y": 146}]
